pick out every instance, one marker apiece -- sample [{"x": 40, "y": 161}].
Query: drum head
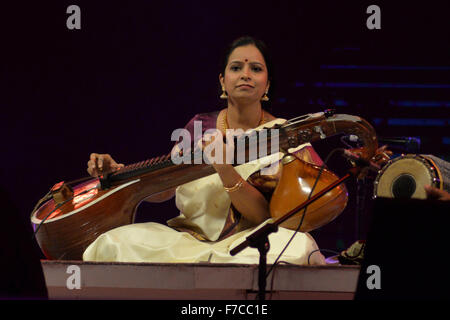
[{"x": 405, "y": 177}]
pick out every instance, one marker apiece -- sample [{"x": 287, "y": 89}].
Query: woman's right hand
[{"x": 99, "y": 164}]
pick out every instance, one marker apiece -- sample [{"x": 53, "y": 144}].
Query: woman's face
[{"x": 246, "y": 76}]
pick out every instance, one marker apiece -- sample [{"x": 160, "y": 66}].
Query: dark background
[{"x": 137, "y": 70}]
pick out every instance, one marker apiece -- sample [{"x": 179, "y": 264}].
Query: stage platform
[{"x": 200, "y": 281}]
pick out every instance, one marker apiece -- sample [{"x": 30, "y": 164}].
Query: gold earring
[
  {"x": 224, "y": 94},
  {"x": 265, "y": 97}
]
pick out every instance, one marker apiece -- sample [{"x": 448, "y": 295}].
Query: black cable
[
  {"x": 325, "y": 250},
  {"x": 304, "y": 211},
  {"x": 42, "y": 200},
  {"x": 356, "y": 255},
  {"x": 285, "y": 262},
  {"x": 345, "y": 142},
  {"x": 59, "y": 205},
  {"x": 273, "y": 277}
]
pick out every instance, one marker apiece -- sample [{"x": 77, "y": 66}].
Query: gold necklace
[{"x": 225, "y": 125}]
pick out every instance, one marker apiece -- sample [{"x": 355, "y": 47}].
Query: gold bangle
[{"x": 236, "y": 187}]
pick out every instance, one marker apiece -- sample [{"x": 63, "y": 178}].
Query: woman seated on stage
[{"x": 219, "y": 211}]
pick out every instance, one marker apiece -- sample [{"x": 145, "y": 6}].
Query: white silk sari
[{"x": 204, "y": 206}]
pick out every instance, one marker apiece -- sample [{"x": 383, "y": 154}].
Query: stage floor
[{"x": 199, "y": 281}]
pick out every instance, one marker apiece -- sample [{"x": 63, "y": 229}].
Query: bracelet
[{"x": 236, "y": 187}]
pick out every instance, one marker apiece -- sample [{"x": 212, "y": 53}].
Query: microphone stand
[{"x": 259, "y": 239}]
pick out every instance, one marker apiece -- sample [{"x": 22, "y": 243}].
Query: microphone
[{"x": 408, "y": 144}]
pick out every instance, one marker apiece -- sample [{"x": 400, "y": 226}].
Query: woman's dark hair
[{"x": 245, "y": 41}]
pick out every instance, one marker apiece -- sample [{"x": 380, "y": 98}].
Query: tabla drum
[{"x": 406, "y": 176}]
